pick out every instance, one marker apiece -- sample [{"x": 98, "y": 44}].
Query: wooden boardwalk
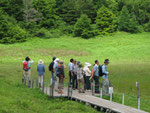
[{"x": 96, "y": 102}]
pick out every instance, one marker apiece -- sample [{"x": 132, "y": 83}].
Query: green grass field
[{"x": 129, "y": 55}]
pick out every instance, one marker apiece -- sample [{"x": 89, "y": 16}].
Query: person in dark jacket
[
  {"x": 61, "y": 75},
  {"x": 41, "y": 71},
  {"x": 51, "y": 65}
]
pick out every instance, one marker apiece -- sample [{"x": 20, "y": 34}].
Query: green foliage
[
  {"x": 13, "y": 8},
  {"x": 83, "y": 27},
  {"x": 10, "y": 32},
  {"x": 130, "y": 51},
  {"x": 70, "y": 10},
  {"x": 106, "y": 21},
  {"x": 127, "y": 22},
  {"x": 45, "y": 33},
  {"x": 147, "y": 27},
  {"x": 48, "y": 10}
]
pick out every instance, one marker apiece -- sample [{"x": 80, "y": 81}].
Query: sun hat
[
  {"x": 56, "y": 60},
  {"x": 61, "y": 62},
  {"x": 88, "y": 64},
  {"x": 40, "y": 61}
]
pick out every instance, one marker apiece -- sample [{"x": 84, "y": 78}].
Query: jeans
[
  {"x": 88, "y": 83},
  {"x": 75, "y": 82},
  {"x": 96, "y": 79}
]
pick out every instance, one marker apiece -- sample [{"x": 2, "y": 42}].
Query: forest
[{"x": 24, "y": 19}]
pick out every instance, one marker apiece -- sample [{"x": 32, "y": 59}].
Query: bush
[
  {"x": 10, "y": 31},
  {"x": 106, "y": 21},
  {"x": 83, "y": 27},
  {"x": 128, "y": 22},
  {"x": 147, "y": 27},
  {"x": 45, "y": 33}
]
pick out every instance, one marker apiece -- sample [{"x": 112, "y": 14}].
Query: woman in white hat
[
  {"x": 41, "y": 71},
  {"x": 87, "y": 75}
]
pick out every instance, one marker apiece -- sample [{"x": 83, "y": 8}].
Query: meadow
[{"x": 129, "y": 56}]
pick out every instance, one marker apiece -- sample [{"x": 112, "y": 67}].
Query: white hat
[
  {"x": 56, "y": 60},
  {"x": 40, "y": 61},
  {"x": 87, "y": 64}
]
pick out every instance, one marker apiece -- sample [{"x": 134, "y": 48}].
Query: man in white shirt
[
  {"x": 71, "y": 71},
  {"x": 55, "y": 67}
]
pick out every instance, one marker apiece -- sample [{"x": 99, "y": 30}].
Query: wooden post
[
  {"x": 33, "y": 83},
  {"x": 29, "y": 85},
  {"x": 50, "y": 90},
  {"x": 43, "y": 87},
  {"x": 101, "y": 95},
  {"x": 46, "y": 89},
  {"x": 40, "y": 85},
  {"x": 93, "y": 91},
  {"x": 36, "y": 83},
  {"x": 138, "y": 94},
  {"x": 23, "y": 79},
  {"x": 110, "y": 97},
  {"x": 123, "y": 99},
  {"x": 68, "y": 90}
]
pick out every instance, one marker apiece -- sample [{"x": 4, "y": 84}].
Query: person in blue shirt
[
  {"x": 106, "y": 83},
  {"x": 96, "y": 76},
  {"x": 41, "y": 72}
]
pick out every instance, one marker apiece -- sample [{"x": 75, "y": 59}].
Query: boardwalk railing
[{"x": 89, "y": 98}]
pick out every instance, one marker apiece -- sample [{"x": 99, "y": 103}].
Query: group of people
[{"x": 80, "y": 77}]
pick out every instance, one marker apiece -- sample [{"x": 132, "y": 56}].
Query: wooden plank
[{"x": 95, "y": 101}]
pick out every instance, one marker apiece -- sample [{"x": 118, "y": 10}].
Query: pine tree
[
  {"x": 127, "y": 21},
  {"x": 83, "y": 27},
  {"x": 48, "y": 10},
  {"x": 105, "y": 21}
]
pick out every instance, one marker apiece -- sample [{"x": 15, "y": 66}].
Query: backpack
[
  {"x": 60, "y": 71},
  {"x": 51, "y": 66},
  {"x": 25, "y": 66},
  {"x": 100, "y": 71}
]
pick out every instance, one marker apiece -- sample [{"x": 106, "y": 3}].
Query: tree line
[{"x": 20, "y": 19}]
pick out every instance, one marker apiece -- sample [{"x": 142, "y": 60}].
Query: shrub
[
  {"x": 45, "y": 33},
  {"x": 147, "y": 27},
  {"x": 127, "y": 21},
  {"x": 83, "y": 27},
  {"x": 10, "y": 31},
  {"x": 106, "y": 21}
]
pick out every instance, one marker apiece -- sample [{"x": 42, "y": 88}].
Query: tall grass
[{"x": 129, "y": 55}]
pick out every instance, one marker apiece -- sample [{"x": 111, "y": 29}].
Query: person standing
[
  {"x": 51, "y": 65},
  {"x": 61, "y": 75},
  {"x": 80, "y": 78},
  {"x": 87, "y": 76},
  {"x": 27, "y": 68},
  {"x": 41, "y": 71},
  {"x": 75, "y": 82},
  {"x": 55, "y": 67},
  {"x": 96, "y": 76},
  {"x": 71, "y": 71},
  {"x": 106, "y": 83}
]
